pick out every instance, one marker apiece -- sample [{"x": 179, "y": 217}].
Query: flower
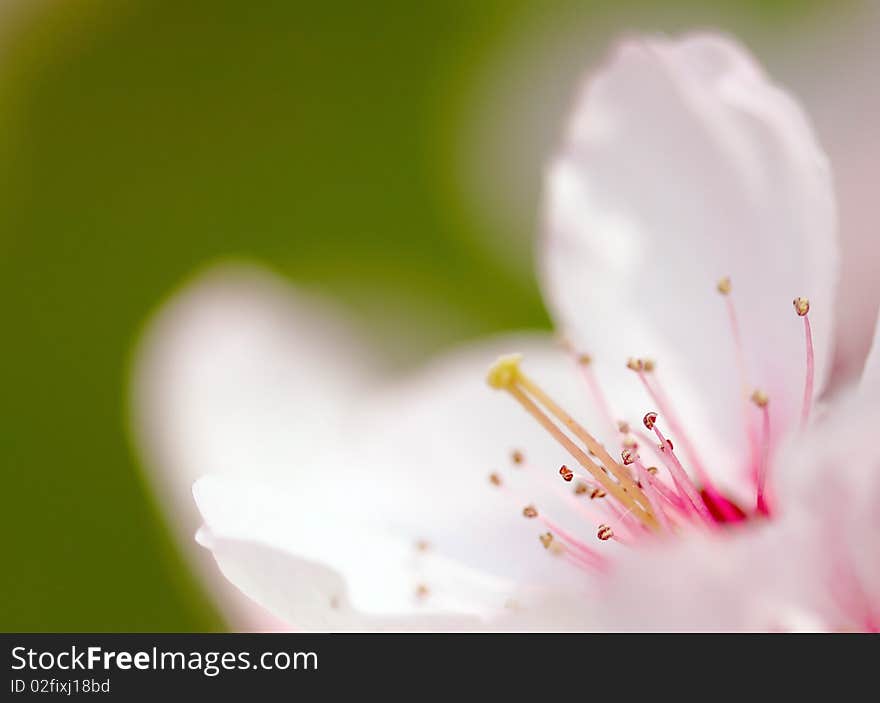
[{"x": 688, "y": 205}]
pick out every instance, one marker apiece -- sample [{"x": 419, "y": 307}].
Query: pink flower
[{"x": 699, "y": 485}]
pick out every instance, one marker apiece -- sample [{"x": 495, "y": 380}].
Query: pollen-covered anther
[
  {"x": 580, "y": 488},
  {"x": 628, "y": 456},
  {"x": 634, "y": 364},
  {"x": 649, "y": 420},
  {"x": 604, "y": 533},
  {"x": 584, "y": 359},
  {"x": 801, "y": 306},
  {"x": 723, "y": 285},
  {"x": 504, "y": 373},
  {"x": 653, "y": 470},
  {"x": 517, "y": 457},
  {"x": 494, "y": 479},
  {"x": 546, "y": 539},
  {"x": 649, "y": 365},
  {"x": 530, "y": 511},
  {"x": 566, "y": 473},
  {"x": 623, "y": 427},
  {"x": 422, "y": 591},
  {"x": 760, "y": 398},
  {"x": 597, "y": 493}
]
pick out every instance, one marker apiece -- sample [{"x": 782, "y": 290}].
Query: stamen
[
  {"x": 566, "y": 473},
  {"x": 422, "y": 591},
  {"x": 748, "y": 426},
  {"x": 802, "y": 307},
  {"x": 495, "y": 479},
  {"x": 580, "y": 488},
  {"x": 517, "y": 457},
  {"x": 530, "y": 511},
  {"x": 593, "y": 445},
  {"x": 505, "y": 374},
  {"x": 656, "y": 392},
  {"x": 760, "y": 399},
  {"x": 604, "y": 533},
  {"x": 597, "y": 493},
  {"x": 651, "y": 492},
  {"x": 680, "y": 478},
  {"x": 546, "y": 539},
  {"x": 566, "y": 539}
]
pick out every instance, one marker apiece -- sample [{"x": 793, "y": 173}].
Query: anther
[
  {"x": 724, "y": 285},
  {"x": 628, "y": 456},
  {"x": 422, "y": 591},
  {"x": 668, "y": 445},
  {"x": 504, "y": 372},
  {"x": 423, "y": 545},
  {"x": 495, "y": 479},
  {"x": 517, "y": 457},
  {"x": 801, "y": 306},
  {"x": 635, "y": 364},
  {"x": 546, "y": 539},
  {"x": 597, "y": 493},
  {"x": 623, "y": 427},
  {"x": 566, "y": 473},
  {"x": 760, "y": 398},
  {"x": 584, "y": 359},
  {"x": 605, "y": 533},
  {"x": 649, "y": 420},
  {"x": 580, "y": 488},
  {"x": 630, "y": 442},
  {"x": 653, "y": 470},
  {"x": 649, "y": 365},
  {"x": 530, "y": 511}
]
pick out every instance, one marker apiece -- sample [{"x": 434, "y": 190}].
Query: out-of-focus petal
[
  {"x": 737, "y": 582},
  {"x": 870, "y": 383},
  {"x": 240, "y": 374},
  {"x": 830, "y": 482},
  {"x": 319, "y": 569},
  {"x": 682, "y": 164}
]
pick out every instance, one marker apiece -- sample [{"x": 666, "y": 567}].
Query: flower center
[{"x": 638, "y": 501}]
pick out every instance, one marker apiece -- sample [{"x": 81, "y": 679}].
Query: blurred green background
[{"x": 140, "y": 140}]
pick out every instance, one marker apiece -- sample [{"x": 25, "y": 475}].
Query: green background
[{"x": 141, "y": 140}]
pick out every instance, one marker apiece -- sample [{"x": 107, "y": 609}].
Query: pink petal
[{"x": 682, "y": 164}]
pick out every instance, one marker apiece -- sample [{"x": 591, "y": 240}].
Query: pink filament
[
  {"x": 808, "y": 382},
  {"x": 652, "y": 495},
  {"x": 763, "y": 466},
  {"x": 743, "y": 379},
  {"x": 659, "y": 397},
  {"x": 682, "y": 481},
  {"x": 598, "y": 396},
  {"x": 588, "y": 555}
]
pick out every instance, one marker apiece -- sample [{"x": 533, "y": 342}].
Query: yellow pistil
[{"x": 506, "y": 375}]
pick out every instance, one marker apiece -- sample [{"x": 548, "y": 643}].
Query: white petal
[
  {"x": 870, "y": 383},
  {"x": 239, "y": 374},
  {"x": 270, "y": 545},
  {"x": 741, "y": 581},
  {"x": 682, "y": 164}
]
